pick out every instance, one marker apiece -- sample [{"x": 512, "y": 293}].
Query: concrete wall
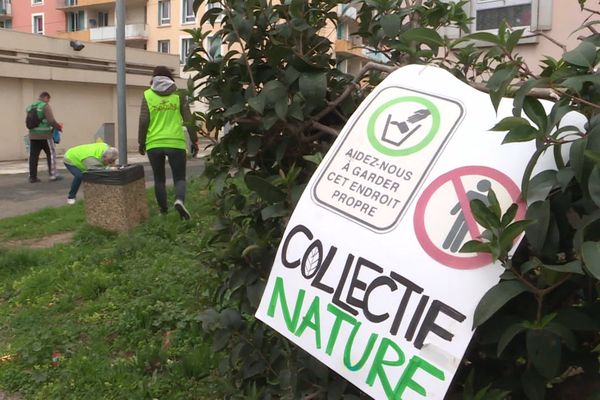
[{"x": 82, "y": 85}]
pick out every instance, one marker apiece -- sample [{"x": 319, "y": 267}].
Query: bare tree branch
[{"x": 544, "y": 35}]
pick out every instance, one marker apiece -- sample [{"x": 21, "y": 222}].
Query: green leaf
[
  {"x": 424, "y": 35},
  {"x": 513, "y": 39},
  {"x": 529, "y": 170},
  {"x": 521, "y": 94},
  {"x": 494, "y": 205},
  {"x": 391, "y": 24},
  {"x": 521, "y": 134},
  {"x": 281, "y": 109},
  {"x": 544, "y": 351},
  {"x": 483, "y": 215},
  {"x": 509, "y": 334},
  {"x": 274, "y": 91},
  {"x": 563, "y": 332},
  {"x": 535, "y": 111},
  {"x": 475, "y": 246},
  {"x": 510, "y": 214},
  {"x": 274, "y": 211},
  {"x": 541, "y": 184},
  {"x": 509, "y": 123},
  {"x": 593, "y": 155},
  {"x": 495, "y": 298},
  {"x": 577, "y": 158},
  {"x": 576, "y": 83},
  {"x": 258, "y": 103},
  {"x": 483, "y": 36},
  {"x": 501, "y": 77},
  {"x": 234, "y": 109},
  {"x": 264, "y": 188},
  {"x": 583, "y": 55},
  {"x": 590, "y": 252},
  {"x": 594, "y": 185},
  {"x": 536, "y": 233},
  {"x": 253, "y": 145},
  {"x": 313, "y": 86},
  {"x": 533, "y": 384},
  {"x": 564, "y": 176},
  {"x": 508, "y": 236},
  {"x": 574, "y": 267}
]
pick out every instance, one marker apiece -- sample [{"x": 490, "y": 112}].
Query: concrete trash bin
[{"x": 115, "y": 199}]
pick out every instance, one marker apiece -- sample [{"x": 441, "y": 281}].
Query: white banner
[{"x": 368, "y": 278}]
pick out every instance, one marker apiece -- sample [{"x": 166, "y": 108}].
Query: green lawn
[{"x": 120, "y": 309}]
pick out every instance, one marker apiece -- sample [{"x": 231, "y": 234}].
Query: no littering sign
[
  {"x": 368, "y": 278},
  {"x": 443, "y": 220}
]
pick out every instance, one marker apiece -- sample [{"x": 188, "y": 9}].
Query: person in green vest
[
  {"x": 81, "y": 158},
  {"x": 40, "y": 138},
  {"x": 163, "y": 114}
]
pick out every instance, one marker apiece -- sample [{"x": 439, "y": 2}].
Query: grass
[
  {"x": 121, "y": 310},
  {"x": 43, "y": 223}
]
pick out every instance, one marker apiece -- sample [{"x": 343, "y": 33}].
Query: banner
[{"x": 368, "y": 277}]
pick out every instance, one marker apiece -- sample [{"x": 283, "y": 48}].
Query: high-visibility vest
[{"x": 166, "y": 124}]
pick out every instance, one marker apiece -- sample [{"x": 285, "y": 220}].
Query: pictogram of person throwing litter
[
  {"x": 403, "y": 127},
  {"x": 460, "y": 227}
]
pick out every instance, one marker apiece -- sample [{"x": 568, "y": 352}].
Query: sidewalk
[{"x": 22, "y": 166}]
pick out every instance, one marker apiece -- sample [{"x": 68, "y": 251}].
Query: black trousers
[
  {"x": 36, "y": 146},
  {"x": 177, "y": 160}
]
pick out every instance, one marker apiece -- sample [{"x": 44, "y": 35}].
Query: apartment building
[
  {"x": 5, "y": 14},
  {"x": 167, "y": 20},
  {"x": 95, "y": 21},
  {"x": 37, "y": 16}
]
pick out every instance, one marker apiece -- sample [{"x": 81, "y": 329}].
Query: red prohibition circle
[{"x": 434, "y": 251}]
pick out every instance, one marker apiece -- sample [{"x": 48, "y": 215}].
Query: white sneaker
[
  {"x": 71, "y": 201},
  {"x": 183, "y": 212}
]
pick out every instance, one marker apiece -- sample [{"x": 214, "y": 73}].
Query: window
[
  {"x": 37, "y": 22},
  {"x": 534, "y": 15},
  {"x": 164, "y": 46},
  {"x": 187, "y": 46},
  {"x": 187, "y": 14},
  {"x": 71, "y": 2},
  {"x": 164, "y": 12},
  {"x": 34, "y": 2},
  {"x": 75, "y": 21},
  {"x": 213, "y": 47},
  {"x": 102, "y": 19},
  {"x": 342, "y": 31},
  {"x": 490, "y": 13},
  {"x": 216, "y": 4},
  {"x": 6, "y": 24}
]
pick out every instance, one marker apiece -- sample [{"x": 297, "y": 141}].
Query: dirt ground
[{"x": 41, "y": 243}]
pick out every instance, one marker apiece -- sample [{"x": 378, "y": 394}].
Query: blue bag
[{"x": 56, "y": 136}]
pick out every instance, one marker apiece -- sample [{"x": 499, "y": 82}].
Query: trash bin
[{"x": 115, "y": 199}]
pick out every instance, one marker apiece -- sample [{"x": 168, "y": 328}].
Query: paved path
[{"x": 18, "y": 196}]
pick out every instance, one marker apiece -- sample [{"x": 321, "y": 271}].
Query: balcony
[
  {"x": 109, "y": 33},
  {"x": 5, "y": 10},
  {"x": 79, "y": 4},
  {"x": 83, "y": 35},
  {"x": 351, "y": 48}
]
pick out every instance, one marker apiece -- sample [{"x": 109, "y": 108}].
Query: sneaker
[
  {"x": 183, "y": 212},
  {"x": 34, "y": 180},
  {"x": 55, "y": 178},
  {"x": 71, "y": 201}
]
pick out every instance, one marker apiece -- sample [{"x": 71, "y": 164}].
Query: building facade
[{"x": 37, "y": 16}]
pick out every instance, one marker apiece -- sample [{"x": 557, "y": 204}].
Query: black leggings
[
  {"x": 36, "y": 146},
  {"x": 177, "y": 160}
]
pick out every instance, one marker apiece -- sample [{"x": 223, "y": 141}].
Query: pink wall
[
  {"x": 566, "y": 17},
  {"x": 22, "y": 11}
]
